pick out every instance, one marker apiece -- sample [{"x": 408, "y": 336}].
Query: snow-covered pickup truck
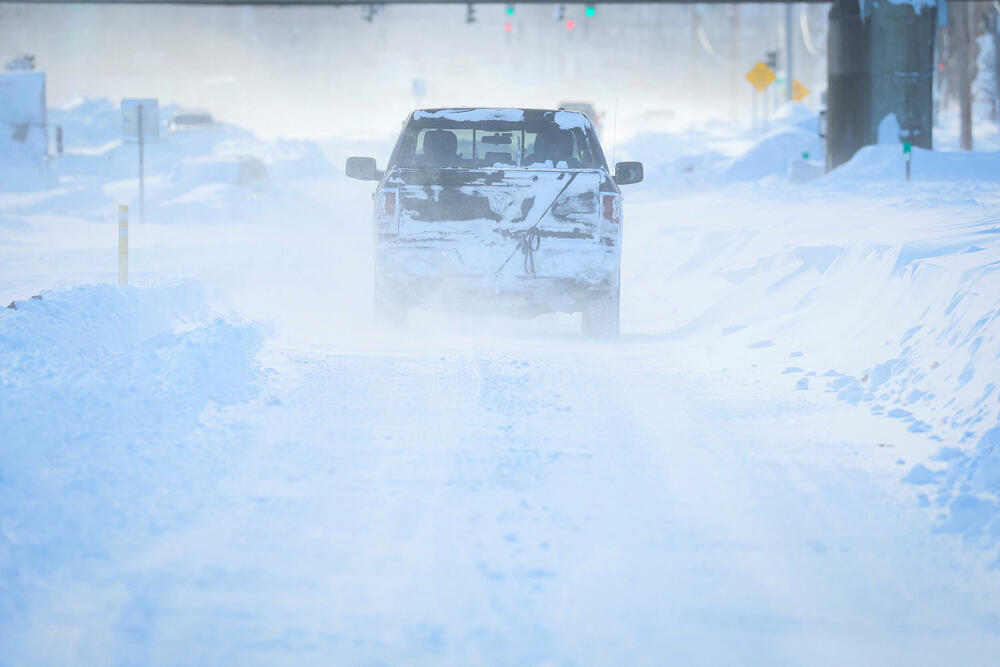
[{"x": 498, "y": 207}]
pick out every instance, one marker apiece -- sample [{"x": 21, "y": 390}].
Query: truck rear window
[{"x": 533, "y": 142}]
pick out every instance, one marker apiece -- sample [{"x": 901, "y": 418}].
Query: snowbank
[
  {"x": 893, "y": 308},
  {"x": 88, "y": 122},
  {"x": 101, "y": 364},
  {"x": 770, "y": 155},
  {"x": 101, "y": 396},
  {"x": 886, "y": 162},
  {"x": 676, "y": 155},
  {"x": 798, "y": 115},
  {"x": 213, "y": 174}
]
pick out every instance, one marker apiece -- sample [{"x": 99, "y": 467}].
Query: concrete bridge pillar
[{"x": 881, "y": 62}]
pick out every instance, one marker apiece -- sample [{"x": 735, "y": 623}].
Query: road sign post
[
  {"x": 760, "y": 77},
  {"x": 122, "y": 245},
  {"x": 789, "y": 60},
  {"x": 140, "y": 122},
  {"x": 142, "y": 180}
]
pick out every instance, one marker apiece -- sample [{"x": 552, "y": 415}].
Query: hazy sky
[{"x": 318, "y": 71}]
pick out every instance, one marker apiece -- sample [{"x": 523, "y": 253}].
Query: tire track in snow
[{"x": 565, "y": 502}]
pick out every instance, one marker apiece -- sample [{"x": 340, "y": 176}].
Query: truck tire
[
  {"x": 601, "y": 315},
  {"x": 389, "y": 308}
]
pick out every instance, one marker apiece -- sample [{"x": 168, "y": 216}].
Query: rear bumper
[{"x": 565, "y": 276}]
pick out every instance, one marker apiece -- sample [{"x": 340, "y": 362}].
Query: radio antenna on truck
[{"x": 614, "y": 135}]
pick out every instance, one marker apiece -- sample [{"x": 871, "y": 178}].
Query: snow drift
[
  {"x": 102, "y": 394},
  {"x": 676, "y": 155},
  {"x": 886, "y": 162},
  {"x": 901, "y": 318},
  {"x": 98, "y": 364}
]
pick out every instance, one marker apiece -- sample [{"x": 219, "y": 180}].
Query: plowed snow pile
[
  {"x": 882, "y": 293},
  {"x": 102, "y": 389},
  {"x": 116, "y": 358}
]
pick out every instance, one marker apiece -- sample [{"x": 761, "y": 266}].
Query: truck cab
[{"x": 502, "y": 209}]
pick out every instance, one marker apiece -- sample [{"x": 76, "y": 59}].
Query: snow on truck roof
[{"x": 566, "y": 120}]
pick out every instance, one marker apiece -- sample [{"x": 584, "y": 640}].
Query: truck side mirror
[
  {"x": 362, "y": 168},
  {"x": 627, "y": 173}
]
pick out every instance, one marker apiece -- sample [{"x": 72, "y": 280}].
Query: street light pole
[{"x": 789, "y": 96}]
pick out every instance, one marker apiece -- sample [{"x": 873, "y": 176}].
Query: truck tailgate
[{"x": 499, "y": 202}]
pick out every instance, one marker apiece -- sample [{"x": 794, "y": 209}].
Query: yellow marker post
[{"x": 123, "y": 245}]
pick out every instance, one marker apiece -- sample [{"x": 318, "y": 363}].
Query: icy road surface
[
  {"x": 786, "y": 460},
  {"x": 526, "y": 503}
]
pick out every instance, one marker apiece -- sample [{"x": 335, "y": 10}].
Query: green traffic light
[
  {"x": 510, "y": 10},
  {"x": 590, "y": 11}
]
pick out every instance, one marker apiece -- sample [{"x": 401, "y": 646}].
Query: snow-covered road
[
  {"x": 528, "y": 502},
  {"x": 542, "y": 503},
  {"x": 788, "y": 458}
]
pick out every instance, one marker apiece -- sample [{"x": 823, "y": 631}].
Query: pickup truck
[{"x": 511, "y": 209}]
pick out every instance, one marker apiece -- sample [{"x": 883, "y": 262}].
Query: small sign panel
[
  {"x": 418, "y": 87},
  {"x": 761, "y": 76},
  {"x": 799, "y": 92},
  {"x": 150, "y": 120}
]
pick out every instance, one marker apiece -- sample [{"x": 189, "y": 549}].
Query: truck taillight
[
  {"x": 388, "y": 204},
  {"x": 611, "y": 206}
]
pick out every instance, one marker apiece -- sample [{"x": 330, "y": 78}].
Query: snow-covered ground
[{"x": 792, "y": 456}]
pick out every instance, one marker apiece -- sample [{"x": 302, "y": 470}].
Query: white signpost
[{"x": 141, "y": 124}]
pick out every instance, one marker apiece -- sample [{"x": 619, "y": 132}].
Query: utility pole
[
  {"x": 142, "y": 182},
  {"x": 788, "y": 52},
  {"x": 995, "y": 21},
  {"x": 734, "y": 58},
  {"x": 878, "y": 64},
  {"x": 961, "y": 14},
  {"x": 694, "y": 71}
]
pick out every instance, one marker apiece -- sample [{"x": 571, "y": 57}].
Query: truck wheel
[
  {"x": 601, "y": 315},
  {"x": 390, "y": 309}
]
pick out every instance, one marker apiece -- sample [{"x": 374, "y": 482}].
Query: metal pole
[
  {"x": 788, "y": 53},
  {"x": 142, "y": 189},
  {"x": 122, "y": 245},
  {"x": 765, "y": 98}
]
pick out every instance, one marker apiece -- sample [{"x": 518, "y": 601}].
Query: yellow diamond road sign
[
  {"x": 799, "y": 91},
  {"x": 760, "y": 76}
]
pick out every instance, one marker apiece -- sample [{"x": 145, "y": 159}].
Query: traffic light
[
  {"x": 570, "y": 24},
  {"x": 590, "y": 11},
  {"x": 559, "y": 12},
  {"x": 470, "y": 13},
  {"x": 510, "y": 10}
]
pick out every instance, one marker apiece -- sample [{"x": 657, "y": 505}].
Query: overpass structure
[{"x": 880, "y": 60}]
